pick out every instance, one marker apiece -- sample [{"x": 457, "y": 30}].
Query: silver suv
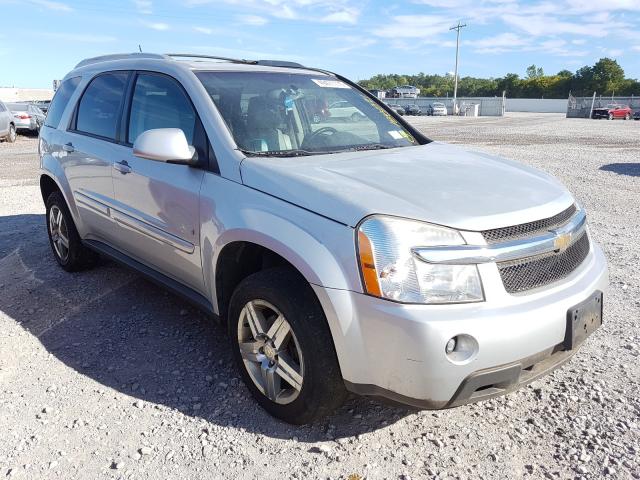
[{"x": 346, "y": 253}]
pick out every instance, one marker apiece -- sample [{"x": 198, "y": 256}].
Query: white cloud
[
  {"x": 51, "y": 5},
  {"x": 603, "y": 5},
  {"x": 636, "y": 48},
  {"x": 544, "y": 25},
  {"x": 254, "y": 20},
  {"x": 347, "y": 15},
  {"x": 75, "y": 37},
  {"x": 348, "y": 43},
  {"x": 205, "y": 30},
  {"x": 160, "y": 26},
  {"x": 144, "y": 6},
  {"x": 414, "y": 26}
]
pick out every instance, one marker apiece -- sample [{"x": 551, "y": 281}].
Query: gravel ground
[{"x": 103, "y": 375}]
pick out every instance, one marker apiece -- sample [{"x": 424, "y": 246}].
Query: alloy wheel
[
  {"x": 270, "y": 352},
  {"x": 59, "y": 232}
]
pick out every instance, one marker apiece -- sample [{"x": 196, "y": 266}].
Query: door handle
[
  {"x": 68, "y": 147},
  {"x": 123, "y": 167}
]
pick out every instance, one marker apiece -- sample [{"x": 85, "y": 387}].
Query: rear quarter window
[{"x": 60, "y": 101}]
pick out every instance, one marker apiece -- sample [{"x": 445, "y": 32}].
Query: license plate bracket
[{"x": 582, "y": 320}]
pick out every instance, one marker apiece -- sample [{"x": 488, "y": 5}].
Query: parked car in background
[
  {"x": 43, "y": 105},
  {"x": 358, "y": 257},
  {"x": 437, "y": 108},
  {"x": 636, "y": 115},
  {"x": 343, "y": 110},
  {"x": 27, "y": 116},
  {"x": 396, "y": 108},
  {"x": 7, "y": 124},
  {"x": 412, "y": 109},
  {"x": 612, "y": 112}
]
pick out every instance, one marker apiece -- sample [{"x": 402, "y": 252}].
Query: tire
[
  {"x": 73, "y": 256},
  {"x": 611, "y": 116},
  {"x": 12, "y": 135},
  {"x": 627, "y": 116},
  {"x": 306, "y": 347},
  {"x": 356, "y": 117}
]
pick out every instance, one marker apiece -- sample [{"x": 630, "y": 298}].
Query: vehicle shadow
[
  {"x": 630, "y": 169},
  {"x": 116, "y": 328}
]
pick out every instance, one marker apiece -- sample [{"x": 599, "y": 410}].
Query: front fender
[{"x": 322, "y": 250}]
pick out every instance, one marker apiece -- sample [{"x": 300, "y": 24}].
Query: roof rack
[
  {"x": 269, "y": 63},
  {"x": 118, "y": 56}
]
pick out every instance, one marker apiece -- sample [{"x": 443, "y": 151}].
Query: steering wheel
[{"x": 320, "y": 131}]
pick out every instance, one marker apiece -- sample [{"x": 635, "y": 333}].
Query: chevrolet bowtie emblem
[{"x": 561, "y": 242}]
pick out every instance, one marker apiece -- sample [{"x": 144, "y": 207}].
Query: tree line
[{"x": 606, "y": 77}]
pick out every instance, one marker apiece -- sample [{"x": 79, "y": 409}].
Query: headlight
[{"x": 390, "y": 270}]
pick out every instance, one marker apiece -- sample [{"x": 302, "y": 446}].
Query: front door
[{"x": 157, "y": 203}]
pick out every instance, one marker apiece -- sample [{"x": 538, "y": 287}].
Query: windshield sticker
[
  {"x": 329, "y": 83},
  {"x": 396, "y": 134}
]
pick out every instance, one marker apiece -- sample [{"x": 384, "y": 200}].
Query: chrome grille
[
  {"x": 514, "y": 232},
  {"x": 533, "y": 272}
]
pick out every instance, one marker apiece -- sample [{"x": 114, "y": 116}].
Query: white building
[{"x": 11, "y": 94}]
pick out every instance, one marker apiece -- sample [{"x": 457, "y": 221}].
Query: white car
[
  {"x": 345, "y": 110},
  {"x": 7, "y": 124},
  {"x": 26, "y": 116},
  {"x": 438, "y": 109}
]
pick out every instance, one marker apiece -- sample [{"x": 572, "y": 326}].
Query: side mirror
[{"x": 165, "y": 145}]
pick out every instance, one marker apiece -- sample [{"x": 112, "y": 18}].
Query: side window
[
  {"x": 60, "y": 100},
  {"x": 159, "y": 102},
  {"x": 99, "y": 107}
]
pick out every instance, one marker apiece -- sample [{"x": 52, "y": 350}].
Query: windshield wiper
[
  {"x": 279, "y": 153},
  {"x": 372, "y": 146}
]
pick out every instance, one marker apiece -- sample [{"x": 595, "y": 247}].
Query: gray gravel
[{"x": 103, "y": 375}]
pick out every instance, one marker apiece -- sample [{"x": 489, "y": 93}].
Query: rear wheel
[
  {"x": 65, "y": 242},
  {"x": 283, "y": 348},
  {"x": 611, "y": 116},
  {"x": 11, "y": 137},
  {"x": 356, "y": 117}
]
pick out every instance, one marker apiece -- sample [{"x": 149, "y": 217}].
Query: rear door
[
  {"x": 158, "y": 202},
  {"x": 89, "y": 150}
]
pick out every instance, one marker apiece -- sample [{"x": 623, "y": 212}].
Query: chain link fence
[{"x": 581, "y": 107}]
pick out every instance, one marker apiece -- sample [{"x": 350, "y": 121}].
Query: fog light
[
  {"x": 451, "y": 345},
  {"x": 461, "y": 349}
]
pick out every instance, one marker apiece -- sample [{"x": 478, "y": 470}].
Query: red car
[{"x": 612, "y": 111}]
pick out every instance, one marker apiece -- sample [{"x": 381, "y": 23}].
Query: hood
[{"x": 437, "y": 183}]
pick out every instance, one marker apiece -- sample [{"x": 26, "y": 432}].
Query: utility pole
[{"x": 457, "y": 28}]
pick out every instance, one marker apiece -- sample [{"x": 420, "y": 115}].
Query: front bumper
[{"x": 397, "y": 351}]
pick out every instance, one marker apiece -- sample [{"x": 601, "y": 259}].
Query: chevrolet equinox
[{"x": 343, "y": 253}]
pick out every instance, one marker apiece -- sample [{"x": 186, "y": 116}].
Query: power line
[{"x": 457, "y": 28}]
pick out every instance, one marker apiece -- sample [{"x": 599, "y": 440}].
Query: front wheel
[{"x": 283, "y": 348}]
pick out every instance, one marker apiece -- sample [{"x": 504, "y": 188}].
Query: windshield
[{"x": 273, "y": 113}]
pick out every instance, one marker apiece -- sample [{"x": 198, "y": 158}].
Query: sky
[{"x": 41, "y": 40}]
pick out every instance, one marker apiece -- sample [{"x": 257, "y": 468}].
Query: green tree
[{"x": 534, "y": 72}]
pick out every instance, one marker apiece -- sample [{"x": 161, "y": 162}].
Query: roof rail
[
  {"x": 209, "y": 57},
  {"x": 279, "y": 63},
  {"x": 269, "y": 63},
  {"x": 118, "y": 56}
]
